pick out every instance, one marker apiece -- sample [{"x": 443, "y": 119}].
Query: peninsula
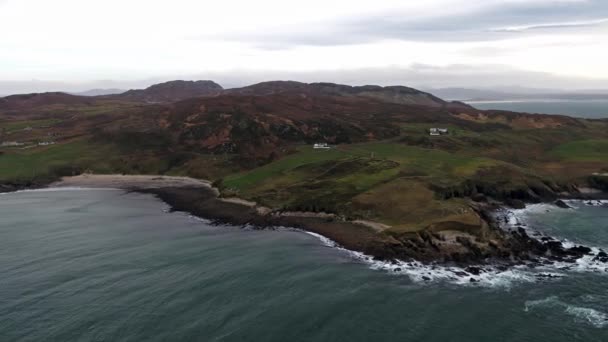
[{"x": 392, "y": 172}]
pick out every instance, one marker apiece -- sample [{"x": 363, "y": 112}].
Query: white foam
[
  {"x": 587, "y": 315},
  {"x": 424, "y": 273},
  {"x": 67, "y": 188},
  {"x": 518, "y": 218},
  {"x": 596, "y": 318}
]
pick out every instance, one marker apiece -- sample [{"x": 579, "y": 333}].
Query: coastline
[
  {"x": 200, "y": 198},
  {"x": 494, "y": 246}
]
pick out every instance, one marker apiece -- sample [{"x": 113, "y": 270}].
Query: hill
[
  {"x": 99, "y": 92},
  {"x": 29, "y": 101},
  {"x": 393, "y": 94},
  {"x": 170, "y": 92}
]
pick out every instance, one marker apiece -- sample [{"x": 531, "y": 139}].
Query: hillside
[
  {"x": 170, "y": 92},
  {"x": 395, "y": 94},
  {"x": 29, "y": 101}
]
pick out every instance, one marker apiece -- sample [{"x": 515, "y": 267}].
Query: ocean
[
  {"x": 106, "y": 265},
  {"x": 590, "y": 109}
]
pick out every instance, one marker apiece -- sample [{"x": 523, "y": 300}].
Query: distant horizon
[{"x": 36, "y": 86}]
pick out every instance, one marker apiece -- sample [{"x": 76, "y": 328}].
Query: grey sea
[
  {"x": 590, "y": 109},
  {"x": 106, "y": 265}
]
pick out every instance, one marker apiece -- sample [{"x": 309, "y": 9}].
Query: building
[
  {"x": 321, "y": 146},
  {"x": 438, "y": 131}
]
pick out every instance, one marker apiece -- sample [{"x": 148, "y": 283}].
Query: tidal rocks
[
  {"x": 580, "y": 250},
  {"x": 516, "y": 204},
  {"x": 473, "y": 270},
  {"x": 562, "y": 204},
  {"x": 601, "y": 257}
]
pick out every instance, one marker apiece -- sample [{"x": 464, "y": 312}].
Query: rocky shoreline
[
  {"x": 512, "y": 253},
  {"x": 494, "y": 243}
]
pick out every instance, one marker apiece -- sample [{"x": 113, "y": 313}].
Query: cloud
[
  {"x": 484, "y": 22},
  {"x": 571, "y": 24}
]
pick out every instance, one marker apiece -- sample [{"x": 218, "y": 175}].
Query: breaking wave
[
  {"x": 582, "y": 314},
  {"x": 487, "y": 276}
]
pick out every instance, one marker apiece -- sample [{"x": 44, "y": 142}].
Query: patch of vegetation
[
  {"x": 55, "y": 160},
  {"x": 13, "y": 126},
  {"x": 584, "y": 150}
]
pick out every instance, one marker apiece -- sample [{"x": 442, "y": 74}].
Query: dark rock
[
  {"x": 547, "y": 275},
  {"x": 562, "y": 204},
  {"x": 479, "y": 198},
  {"x": 516, "y": 204},
  {"x": 580, "y": 250},
  {"x": 473, "y": 270},
  {"x": 473, "y": 280},
  {"x": 398, "y": 269},
  {"x": 425, "y": 278},
  {"x": 601, "y": 257}
]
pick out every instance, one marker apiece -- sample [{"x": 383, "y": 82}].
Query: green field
[
  {"x": 29, "y": 164},
  {"x": 13, "y": 126},
  {"x": 585, "y": 150}
]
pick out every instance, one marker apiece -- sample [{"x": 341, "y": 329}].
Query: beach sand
[{"x": 132, "y": 182}]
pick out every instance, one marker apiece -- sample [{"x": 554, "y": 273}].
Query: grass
[
  {"x": 384, "y": 181},
  {"x": 584, "y": 150},
  {"x": 305, "y": 155},
  {"x": 20, "y": 125},
  {"x": 29, "y": 164},
  {"x": 409, "y": 205}
]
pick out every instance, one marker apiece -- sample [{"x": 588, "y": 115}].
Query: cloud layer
[{"x": 76, "y": 42}]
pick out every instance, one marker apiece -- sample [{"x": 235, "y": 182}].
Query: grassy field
[
  {"x": 585, "y": 150},
  {"x": 386, "y": 182},
  {"x": 13, "y": 126},
  {"x": 27, "y": 164}
]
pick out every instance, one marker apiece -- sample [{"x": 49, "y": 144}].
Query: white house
[
  {"x": 438, "y": 131},
  {"x": 321, "y": 146}
]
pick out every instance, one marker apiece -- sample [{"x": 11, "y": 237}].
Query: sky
[{"x": 74, "y": 45}]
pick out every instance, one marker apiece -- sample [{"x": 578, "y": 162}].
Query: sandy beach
[{"x": 132, "y": 182}]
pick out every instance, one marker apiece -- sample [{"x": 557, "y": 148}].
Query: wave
[
  {"x": 498, "y": 276},
  {"x": 583, "y": 314},
  {"x": 486, "y": 276},
  {"x": 518, "y": 218},
  {"x": 67, "y": 188}
]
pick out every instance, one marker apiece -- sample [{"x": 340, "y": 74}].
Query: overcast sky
[{"x": 77, "y": 44}]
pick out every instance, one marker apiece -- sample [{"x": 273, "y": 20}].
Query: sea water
[
  {"x": 591, "y": 109},
  {"x": 106, "y": 265}
]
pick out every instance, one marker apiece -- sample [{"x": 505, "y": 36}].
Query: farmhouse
[
  {"x": 438, "y": 131},
  {"x": 321, "y": 146}
]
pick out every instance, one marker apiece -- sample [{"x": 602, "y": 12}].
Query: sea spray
[{"x": 586, "y": 315}]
